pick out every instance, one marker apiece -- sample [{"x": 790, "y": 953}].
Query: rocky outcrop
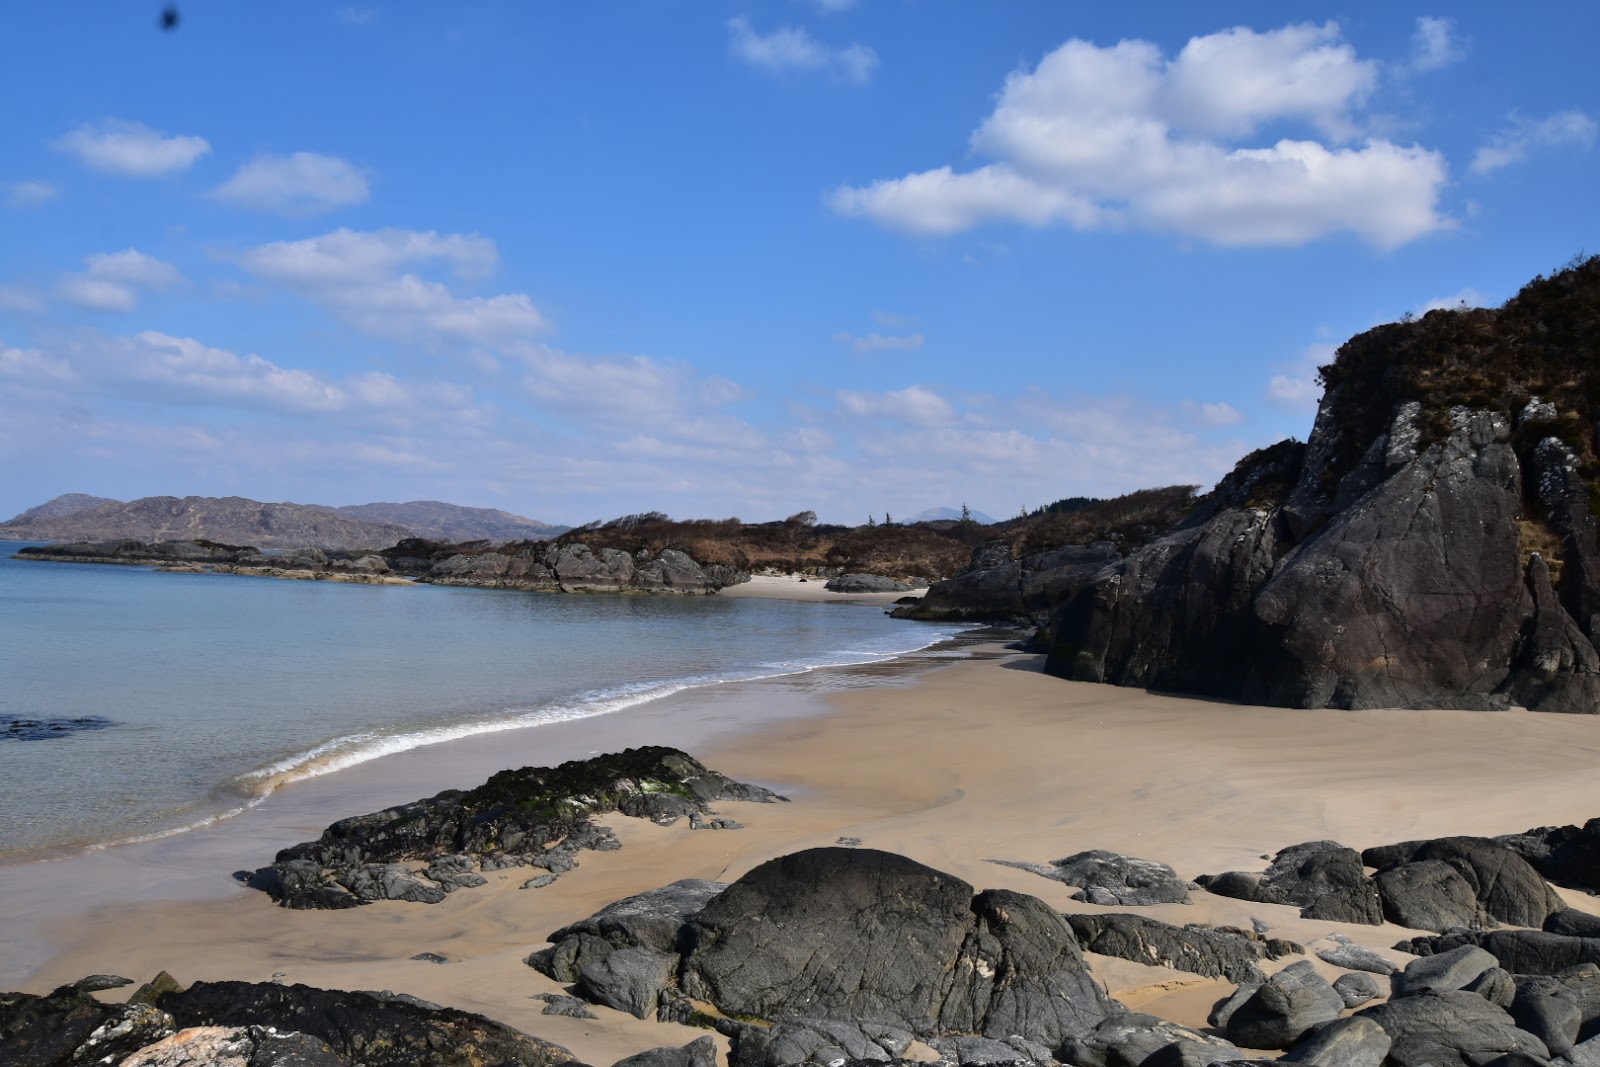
[
  {"x": 1324, "y": 879},
  {"x": 208, "y": 557},
  {"x": 842, "y": 949},
  {"x": 866, "y": 583},
  {"x": 994, "y": 587},
  {"x": 1214, "y": 953},
  {"x": 257, "y": 1025},
  {"x": 1432, "y": 545},
  {"x": 563, "y": 567},
  {"x": 539, "y": 817}
]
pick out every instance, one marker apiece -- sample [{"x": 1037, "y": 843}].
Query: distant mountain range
[
  {"x": 235, "y": 520},
  {"x": 938, "y": 514}
]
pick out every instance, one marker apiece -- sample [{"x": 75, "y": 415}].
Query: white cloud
[
  {"x": 113, "y": 280},
  {"x": 359, "y": 276},
  {"x": 29, "y": 194},
  {"x": 1217, "y": 413},
  {"x": 1297, "y": 387},
  {"x": 791, "y": 48},
  {"x": 1123, "y": 136},
  {"x": 131, "y": 149},
  {"x": 914, "y": 404},
  {"x": 1435, "y": 44},
  {"x": 1523, "y": 135},
  {"x": 879, "y": 342},
  {"x": 296, "y": 185}
]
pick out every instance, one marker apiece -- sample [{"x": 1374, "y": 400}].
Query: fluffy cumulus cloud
[
  {"x": 295, "y": 185},
  {"x": 132, "y": 149},
  {"x": 28, "y": 194},
  {"x": 1524, "y": 135},
  {"x": 1126, "y": 136},
  {"x": 791, "y": 48},
  {"x": 112, "y": 281},
  {"x": 1297, "y": 386},
  {"x": 369, "y": 280}
]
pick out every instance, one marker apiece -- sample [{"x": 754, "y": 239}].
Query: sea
[{"x": 137, "y": 704}]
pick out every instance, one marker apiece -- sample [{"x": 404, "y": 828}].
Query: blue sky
[{"x": 718, "y": 258}]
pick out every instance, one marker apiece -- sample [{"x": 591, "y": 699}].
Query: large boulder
[
  {"x": 1506, "y": 887},
  {"x": 1449, "y": 1029},
  {"x": 1324, "y": 879},
  {"x": 1443, "y": 972},
  {"x": 1132, "y": 1039},
  {"x": 1519, "y": 951},
  {"x": 1198, "y": 950},
  {"x": 1352, "y": 1042},
  {"x": 1284, "y": 1007},
  {"x": 1428, "y": 895},
  {"x": 861, "y": 935}
]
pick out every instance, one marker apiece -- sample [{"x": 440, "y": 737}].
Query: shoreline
[{"x": 951, "y": 762}]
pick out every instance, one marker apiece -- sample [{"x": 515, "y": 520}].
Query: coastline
[{"x": 951, "y": 762}]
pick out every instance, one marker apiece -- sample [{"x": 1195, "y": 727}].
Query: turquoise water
[{"x": 219, "y": 688}]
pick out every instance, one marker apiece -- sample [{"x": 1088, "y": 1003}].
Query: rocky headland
[{"x": 1433, "y": 543}]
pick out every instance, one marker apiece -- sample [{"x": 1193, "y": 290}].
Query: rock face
[
  {"x": 866, "y": 583},
  {"x": 848, "y": 951},
  {"x": 208, "y": 557},
  {"x": 996, "y": 588},
  {"x": 1449, "y": 1029},
  {"x": 564, "y": 567},
  {"x": 1501, "y": 885},
  {"x": 1324, "y": 879},
  {"x": 861, "y": 934},
  {"x": 1284, "y": 1007},
  {"x": 537, "y": 817},
  {"x": 1198, "y": 950},
  {"x": 1432, "y": 545}
]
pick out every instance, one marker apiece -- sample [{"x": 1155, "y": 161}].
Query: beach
[{"x": 952, "y": 763}]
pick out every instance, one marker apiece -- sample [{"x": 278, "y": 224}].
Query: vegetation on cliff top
[{"x": 1543, "y": 343}]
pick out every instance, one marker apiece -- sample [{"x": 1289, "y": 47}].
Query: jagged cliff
[{"x": 1432, "y": 544}]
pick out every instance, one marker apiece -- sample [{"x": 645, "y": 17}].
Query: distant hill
[
  {"x": 438, "y": 521},
  {"x": 235, "y": 520},
  {"x": 62, "y": 506},
  {"x": 939, "y": 514}
]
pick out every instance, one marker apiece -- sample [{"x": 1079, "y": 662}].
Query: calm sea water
[{"x": 218, "y": 688}]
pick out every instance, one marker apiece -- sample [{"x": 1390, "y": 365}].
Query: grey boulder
[
  {"x": 1446, "y": 971},
  {"x": 1285, "y": 1006},
  {"x": 1112, "y": 879},
  {"x": 1447, "y": 1029},
  {"x": 701, "y": 1052},
  {"x": 1352, "y": 1042}
]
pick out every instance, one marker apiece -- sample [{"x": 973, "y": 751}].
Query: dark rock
[
  {"x": 571, "y": 1007},
  {"x": 1352, "y": 1042},
  {"x": 31, "y": 728},
  {"x": 251, "y": 1046},
  {"x": 536, "y": 815},
  {"x": 996, "y": 588},
  {"x": 1449, "y": 1029},
  {"x": 1519, "y": 951},
  {"x": 859, "y": 934},
  {"x": 1579, "y": 986},
  {"x": 96, "y": 983},
  {"x": 430, "y": 957},
  {"x": 1554, "y": 1020},
  {"x": 1506, "y": 887},
  {"x": 1343, "y": 952},
  {"x": 1495, "y": 985},
  {"x": 1442, "y": 972},
  {"x": 865, "y": 583},
  {"x": 1223, "y": 1010},
  {"x": 1110, "y": 879},
  {"x": 1130, "y": 1040},
  {"x": 1184, "y": 948},
  {"x": 68, "y": 1026},
  {"x": 361, "y": 1027},
  {"x": 1566, "y": 855},
  {"x": 1571, "y": 922},
  {"x": 976, "y": 1051},
  {"x": 628, "y": 979},
  {"x": 153, "y": 990},
  {"x": 1428, "y": 895},
  {"x": 701, "y": 1052},
  {"x": 651, "y": 920},
  {"x": 1356, "y": 988},
  {"x": 1324, "y": 879},
  {"x": 816, "y": 1041},
  {"x": 1285, "y": 1006}
]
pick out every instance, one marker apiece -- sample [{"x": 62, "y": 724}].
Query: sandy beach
[{"x": 952, "y": 763}]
